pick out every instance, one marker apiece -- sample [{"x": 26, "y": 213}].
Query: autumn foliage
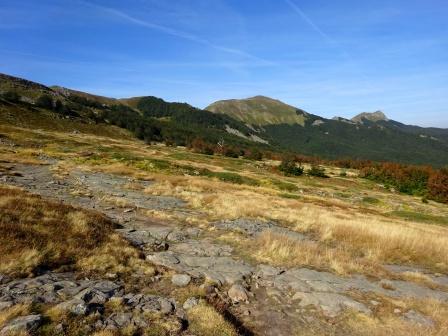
[{"x": 414, "y": 180}]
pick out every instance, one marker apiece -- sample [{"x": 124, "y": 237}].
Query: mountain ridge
[{"x": 266, "y": 124}]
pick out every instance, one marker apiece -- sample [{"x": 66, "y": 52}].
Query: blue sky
[{"x": 330, "y": 58}]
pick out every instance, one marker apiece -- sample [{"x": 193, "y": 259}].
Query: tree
[
  {"x": 45, "y": 101},
  {"x": 289, "y": 167}
]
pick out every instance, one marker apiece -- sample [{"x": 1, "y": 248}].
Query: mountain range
[
  {"x": 366, "y": 136},
  {"x": 258, "y": 122}
]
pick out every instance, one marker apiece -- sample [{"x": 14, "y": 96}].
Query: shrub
[
  {"x": 317, "y": 171},
  {"x": 289, "y": 167},
  {"x": 231, "y": 178},
  {"x": 11, "y": 96},
  {"x": 253, "y": 154},
  {"x": 198, "y": 145},
  {"x": 230, "y": 152}
]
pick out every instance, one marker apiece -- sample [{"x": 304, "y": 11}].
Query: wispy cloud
[
  {"x": 326, "y": 37},
  {"x": 308, "y": 20},
  {"x": 177, "y": 33}
]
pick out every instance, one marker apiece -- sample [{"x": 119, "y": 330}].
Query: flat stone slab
[
  {"x": 307, "y": 280},
  {"x": 22, "y": 324},
  {"x": 332, "y": 304}
]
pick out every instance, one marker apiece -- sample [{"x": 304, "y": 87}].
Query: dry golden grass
[
  {"x": 277, "y": 249},
  {"x": 10, "y": 313},
  {"x": 115, "y": 256},
  {"x": 206, "y": 321},
  {"x": 361, "y": 238},
  {"x": 40, "y": 234},
  {"x": 388, "y": 323}
]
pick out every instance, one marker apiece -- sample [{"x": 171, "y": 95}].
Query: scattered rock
[
  {"x": 118, "y": 320},
  {"x": 418, "y": 319},
  {"x": 5, "y": 304},
  {"x": 238, "y": 293},
  {"x": 190, "y": 303},
  {"x": 4, "y": 279},
  {"x": 74, "y": 306},
  {"x": 181, "y": 280},
  {"x": 166, "y": 306},
  {"x": 22, "y": 324}
]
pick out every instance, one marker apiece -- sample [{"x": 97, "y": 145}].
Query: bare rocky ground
[{"x": 265, "y": 299}]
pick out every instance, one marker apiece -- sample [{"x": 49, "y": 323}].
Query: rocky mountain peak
[{"x": 371, "y": 116}]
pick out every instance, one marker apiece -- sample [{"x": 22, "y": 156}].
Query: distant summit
[
  {"x": 259, "y": 111},
  {"x": 372, "y": 116}
]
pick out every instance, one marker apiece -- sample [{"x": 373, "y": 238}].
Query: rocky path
[{"x": 269, "y": 300}]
